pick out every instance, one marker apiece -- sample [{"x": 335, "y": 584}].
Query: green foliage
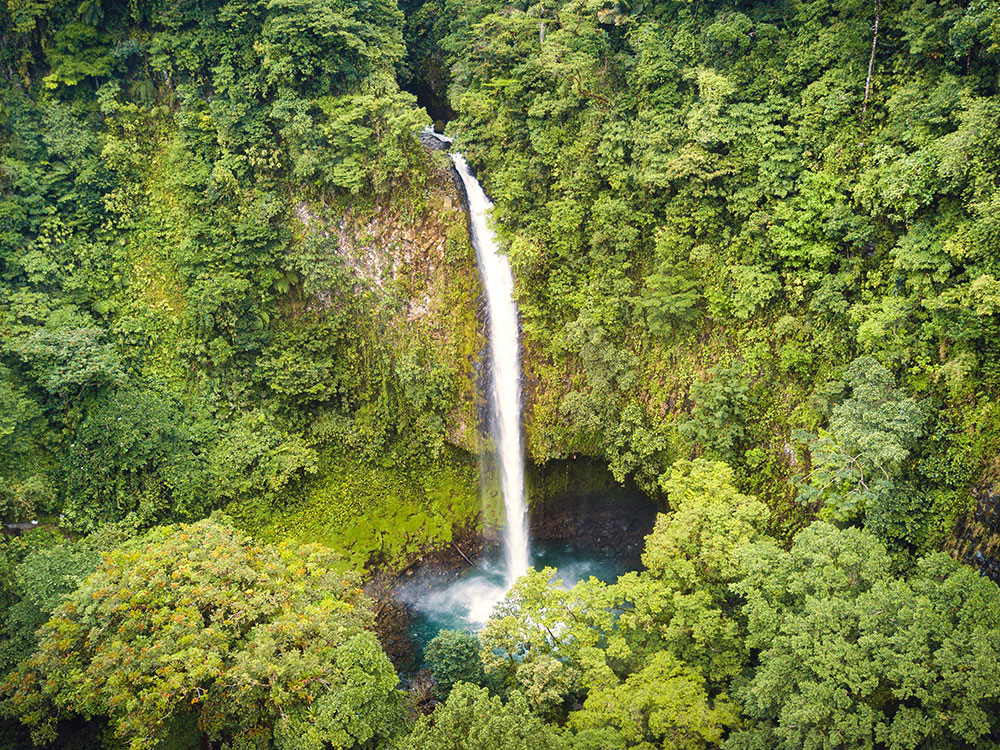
[
  {"x": 67, "y": 362},
  {"x": 681, "y": 185},
  {"x": 453, "y": 656},
  {"x": 255, "y": 457},
  {"x": 662, "y": 705},
  {"x": 132, "y": 453},
  {"x": 850, "y": 655},
  {"x": 78, "y": 52},
  {"x": 321, "y": 47},
  {"x": 40, "y": 581},
  {"x": 472, "y": 719},
  {"x": 717, "y": 418},
  {"x": 258, "y": 642},
  {"x": 365, "y": 144},
  {"x": 824, "y": 645},
  {"x": 539, "y": 636},
  {"x": 170, "y": 341},
  {"x": 13, "y": 551},
  {"x": 858, "y": 466},
  {"x": 670, "y": 299},
  {"x": 682, "y": 602},
  {"x": 708, "y": 211},
  {"x": 369, "y": 514}
]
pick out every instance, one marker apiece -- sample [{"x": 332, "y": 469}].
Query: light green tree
[
  {"x": 39, "y": 583},
  {"x": 543, "y": 637},
  {"x": 718, "y": 416},
  {"x": 472, "y": 719},
  {"x": 663, "y": 705},
  {"x": 264, "y": 646},
  {"x": 682, "y": 601}
]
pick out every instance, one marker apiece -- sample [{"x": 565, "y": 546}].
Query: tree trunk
[{"x": 871, "y": 60}]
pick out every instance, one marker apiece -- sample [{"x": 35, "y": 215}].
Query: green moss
[{"x": 372, "y": 514}]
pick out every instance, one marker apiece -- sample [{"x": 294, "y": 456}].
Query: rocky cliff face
[
  {"x": 418, "y": 263},
  {"x": 976, "y": 540}
]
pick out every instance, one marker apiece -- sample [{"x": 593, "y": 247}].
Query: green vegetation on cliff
[
  {"x": 714, "y": 208},
  {"x": 189, "y": 196}
]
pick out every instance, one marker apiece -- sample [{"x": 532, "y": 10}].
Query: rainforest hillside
[
  {"x": 756, "y": 249},
  {"x": 759, "y": 231},
  {"x": 226, "y": 259}
]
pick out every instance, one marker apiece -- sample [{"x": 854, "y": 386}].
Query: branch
[{"x": 463, "y": 555}]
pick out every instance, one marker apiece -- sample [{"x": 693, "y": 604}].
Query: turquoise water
[{"x": 463, "y": 600}]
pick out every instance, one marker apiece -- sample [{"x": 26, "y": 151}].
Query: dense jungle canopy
[{"x": 757, "y": 253}]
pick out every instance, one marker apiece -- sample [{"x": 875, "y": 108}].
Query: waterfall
[{"x": 505, "y": 369}]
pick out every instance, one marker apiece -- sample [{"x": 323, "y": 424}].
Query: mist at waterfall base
[{"x": 465, "y": 600}]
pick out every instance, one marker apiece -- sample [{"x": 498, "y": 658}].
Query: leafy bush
[{"x": 472, "y": 719}]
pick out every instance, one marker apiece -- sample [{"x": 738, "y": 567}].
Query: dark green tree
[
  {"x": 859, "y": 464},
  {"x": 850, "y": 655},
  {"x": 453, "y": 656}
]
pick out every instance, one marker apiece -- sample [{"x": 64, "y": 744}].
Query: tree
[
  {"x": 66, "y": 362},
  {"x": 850, "y": 655},
  {"x": 261, "y": 644},
  {"x": 329, "y": 47},
  {"x": 132, "y": 453},
  {"x": 453, "y": 656},
  {"x": 717, "y": 418},
  {"x": 659, "y": 675},
  {"x": 542, "y": 637},
  {"x": 672, "y": 292},
  {"x": 472, "y": 719},
  {"x": 40, "y": 582},
  {"x": 682, "y": 602},
  {"x": 663, "y": 705},
  {"x": 79, "y": 52},
  {"x": 858, "y": 463}
]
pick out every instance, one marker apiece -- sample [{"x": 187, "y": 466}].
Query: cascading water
[
  {"x": 468, "y": 598},
  {"x": 505, "y": 371}
]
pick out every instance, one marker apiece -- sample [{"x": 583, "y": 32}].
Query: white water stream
[{"x": 505, "y": 372}]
